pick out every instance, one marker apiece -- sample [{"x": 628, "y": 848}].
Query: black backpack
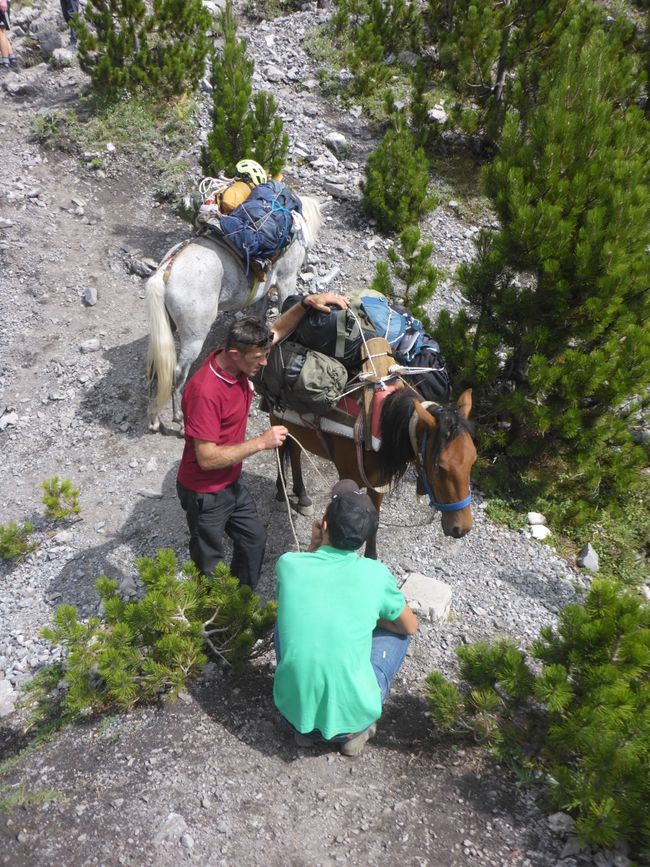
[
  {"x": 434, "y": 384},
  {"x": 336, "y": 333}
]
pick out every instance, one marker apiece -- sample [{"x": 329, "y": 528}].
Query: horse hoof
[{"x": 307, "y": 511}]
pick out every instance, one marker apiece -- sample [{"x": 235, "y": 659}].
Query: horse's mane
[
  {"x": 312, "y": 217},
  {"x": 395, "y": 453}
]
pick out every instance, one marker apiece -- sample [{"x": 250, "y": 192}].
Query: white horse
[{"x": 194, "y": 282}]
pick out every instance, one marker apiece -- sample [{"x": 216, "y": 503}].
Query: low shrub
[
  {"x": 397, "y": 177},
  {"x": 61, "y": 499},
  {"x": 139, "y": 651},
  {"x": 14, "y": 540},
  {"x": 578, "y": 712}
]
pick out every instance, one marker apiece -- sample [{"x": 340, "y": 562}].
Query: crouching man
[{"x": 343, "y": 629}]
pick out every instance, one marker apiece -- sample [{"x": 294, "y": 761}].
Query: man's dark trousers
[
  {"x": 231, "y": 511},
  {"x": 70, "y": 8}
]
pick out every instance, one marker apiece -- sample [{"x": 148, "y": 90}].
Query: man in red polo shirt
[{"x": 215, "y": 405}]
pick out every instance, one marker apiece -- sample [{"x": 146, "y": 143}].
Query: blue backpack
[
  {"x": 402, "y": 330},
  {"x": 261, "y": 226}
]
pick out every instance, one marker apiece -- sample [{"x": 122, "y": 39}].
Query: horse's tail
[
  {"x": 161, "y": 354},
  {"x": 312, "y": 216}
]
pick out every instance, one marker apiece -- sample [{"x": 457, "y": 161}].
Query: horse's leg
[
  {"x": 304, "y": 505},
  {"x": 187, "y": 354},
  {"x": 284, "y": 276},
  {"x": 291, "y": 450},
  {"x": 281, "y": 480},
  {"x": 371, "y": 545}
]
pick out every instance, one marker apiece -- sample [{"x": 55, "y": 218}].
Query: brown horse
[{"x": 438, "y": 440}]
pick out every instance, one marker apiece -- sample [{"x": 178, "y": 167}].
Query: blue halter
[{"x": 441, "y": 507}]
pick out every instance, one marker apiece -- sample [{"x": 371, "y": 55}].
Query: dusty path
[{"x": 214, "y": 779}]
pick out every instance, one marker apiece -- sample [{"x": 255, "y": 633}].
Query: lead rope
[{"x": 284, "y": 487}]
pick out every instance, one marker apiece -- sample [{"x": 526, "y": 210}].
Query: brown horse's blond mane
[{"x": 395, "y": 453}]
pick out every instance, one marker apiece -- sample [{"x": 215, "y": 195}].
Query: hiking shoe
[
  {"x": 13, "y": 63},
  {"x": 354, "y": 746},
  {"x": 303, "y": 740}
]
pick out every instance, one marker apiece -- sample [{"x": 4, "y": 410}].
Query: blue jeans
[{"x": 386, "y": 657}]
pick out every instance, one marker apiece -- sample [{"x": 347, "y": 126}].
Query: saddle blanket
[{"x": 342, "y": 418}]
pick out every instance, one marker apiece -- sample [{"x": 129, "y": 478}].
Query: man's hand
[
  {"x": 316, "y": 536},
  {"x": 321, "y": 302},
  {"x": 291, "y": 317},
  {"x": 274, "y": 437}
]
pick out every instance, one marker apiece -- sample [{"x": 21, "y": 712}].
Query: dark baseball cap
[{"x": 351, "y": 516}]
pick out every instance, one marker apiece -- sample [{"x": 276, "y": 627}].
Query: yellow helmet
[{"x": 251, "y": 170}]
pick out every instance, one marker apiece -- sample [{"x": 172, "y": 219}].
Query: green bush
[
  {"x": 61, "y": 499},
  {"x": 14, "y": 540},
  {"x": 397, "y": 177},
  {"x": 126, "y": 46},
  {"x": 554, "y": 338},
  {"x": 410, "y": 262},
  {"x": 373, "y": 34},
  {"x": 54, "y": 128},
  {"x": 139, "y": 651},
  {"x": 238, "y": 129},
  {"x": 580, "y": 713}
]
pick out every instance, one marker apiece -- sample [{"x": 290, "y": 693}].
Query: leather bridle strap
[
  {"x": 419, "y": 451},
  {"x": 358, "y": 444}
]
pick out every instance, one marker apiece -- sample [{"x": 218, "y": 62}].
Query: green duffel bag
[{"x": 301, "y": 379}]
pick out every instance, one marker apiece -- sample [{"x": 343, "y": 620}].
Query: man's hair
[{"x": 246, "y": 333}]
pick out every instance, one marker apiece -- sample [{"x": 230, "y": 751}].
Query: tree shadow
[
  {"x": 243, "y": 705},
  {"x": 153, "y": 523},
  {"x": 118, "y": 399},
  {"x": 149, "y": 239}
]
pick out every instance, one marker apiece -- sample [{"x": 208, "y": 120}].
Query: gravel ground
[{"x": 213, "y": 779}]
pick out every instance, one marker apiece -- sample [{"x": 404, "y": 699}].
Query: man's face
[{"x": 249, "y": 363}]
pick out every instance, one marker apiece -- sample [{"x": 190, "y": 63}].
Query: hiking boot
[
  {"x": 4, "y": 66},
  {"x": 13, "y": 63},
  {"x": 303, "y": 740},
  {"x": 354, "y": 746}
]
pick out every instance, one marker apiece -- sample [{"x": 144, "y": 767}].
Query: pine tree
[
  {"x": 376, "y": 31},
  {"x": 124, "y": 46},
  {"x": 410, "y": 262},
  {"x": 397, "y": 177},
  {"x": 580, "y": 715},
  {"x": 237, "y": 130},
  {"x": 140, "y": 651},
  {"x": 556, "y": 338},
  {"x": 485, "y": 47}
]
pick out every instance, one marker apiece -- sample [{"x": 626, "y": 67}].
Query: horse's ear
[
  {"x": 430, "y": 420},
  {"x": 464, "y": 403}
]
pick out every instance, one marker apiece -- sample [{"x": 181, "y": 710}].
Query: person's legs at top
[
  {"x": 70, "y": 8},
  {"x": 248, "y": 536},
  {"x": 207, "y": 515},
  {"x": 7, "y": 58}
]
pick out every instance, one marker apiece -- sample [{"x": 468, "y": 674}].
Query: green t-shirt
[{"x": 329, "y": 602}]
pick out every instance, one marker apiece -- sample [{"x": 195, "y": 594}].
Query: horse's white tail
[
  {"x": 161, "y": 354},
  {"x": 312, "y": 216}
]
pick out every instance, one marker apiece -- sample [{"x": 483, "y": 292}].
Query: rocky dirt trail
[{"x": 213, "y": 779}]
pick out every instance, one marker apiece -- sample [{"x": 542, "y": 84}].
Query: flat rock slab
[{"x": 427, "y": 596}]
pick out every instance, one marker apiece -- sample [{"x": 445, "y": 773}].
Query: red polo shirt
[{"x": 215, "y": 408}]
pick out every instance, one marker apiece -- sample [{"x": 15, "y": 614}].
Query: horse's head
[{"x": 446, "y": 454}]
